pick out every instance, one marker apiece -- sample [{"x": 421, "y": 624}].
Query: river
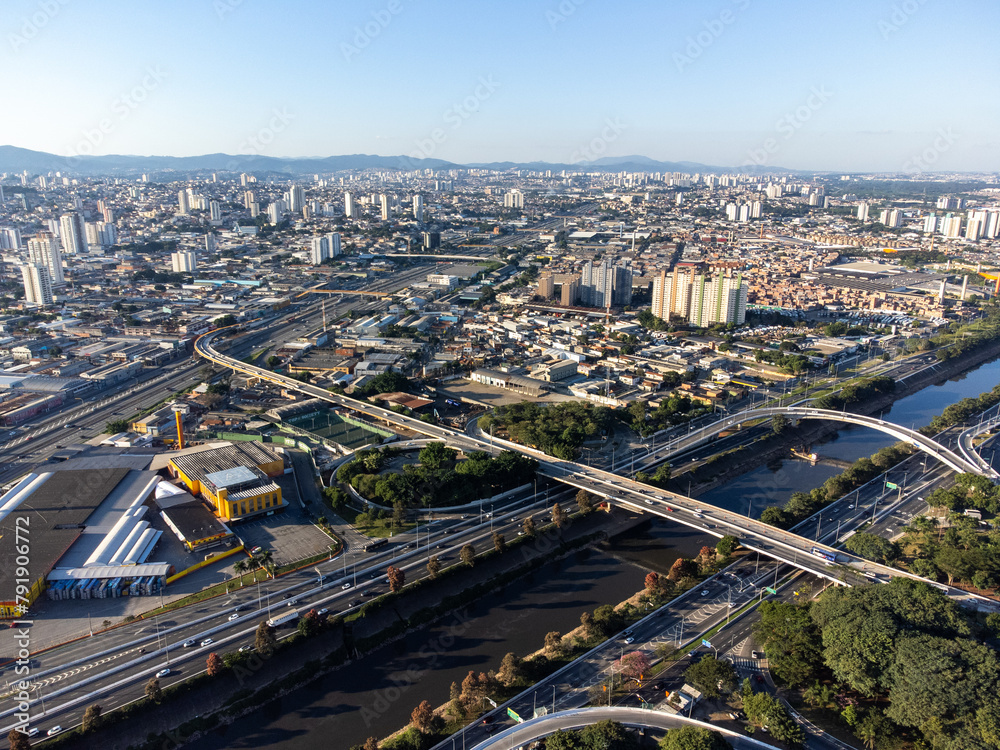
[{"x": 370, "y": 697}]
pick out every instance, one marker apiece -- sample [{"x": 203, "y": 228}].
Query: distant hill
[{"x": 14, "y": 159}]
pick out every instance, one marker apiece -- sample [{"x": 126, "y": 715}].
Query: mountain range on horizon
[{"x": 16, "y": 159}]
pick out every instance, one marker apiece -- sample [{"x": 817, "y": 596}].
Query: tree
[
  {"x": 239, "y": 568},
  {"x": 436, "y": 455},
  {"x": 652, "y": 582},
  {"x": 397, "y": 578},
  {"x": 872, "y": 547},
  {"x": 153, "y": 691},
  {"x": 264, "y": 640},
  {"x": 424, "y": 719},
  {"x": 433, "y": 566},
  {"x": 510, "y": 670},
  {"x": 553, "y": 643},
  {"x": 584, "y": 501},
  {"x": 309, "y": 624},
  {"x": 682, "y": 568},
  {"x": 727, "y": 545},
  {"x": 558, "y": 516},
  {"x": 774, "y": 516},
  {"x": 633, "y": 665},
  {"x": 791, "y": 641},
  {"x": 18, "y": 740},
  {"x": 92, "y": 718},
  {"x": 370, "y": 744},
  {"x": 499, "y": 543},
  {"x": 873, "y": 728},
  {"x": 779, "y": 423},
  {"x": 213, "y": 664},
  {"x": 528, "y": 525},
  {"x": 694, "y": 738},
  {"x": 711, "y": 675},
  {"x": 468, "y": 555},
  {"x": 115, "y": 426}
]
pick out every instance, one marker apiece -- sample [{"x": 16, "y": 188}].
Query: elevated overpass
[
  {"x": 967, "y": 447},
  {"x": 805, "y": 554},
  {"x": 948, "y": 457}
]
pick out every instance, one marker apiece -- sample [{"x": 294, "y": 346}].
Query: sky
[{"x": 853, "y": 85}]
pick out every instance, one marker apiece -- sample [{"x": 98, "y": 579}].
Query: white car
[
  {"x": 207, "y": 642},
  {"x": 234, "y": 616},
  {"x": 163, "y": 673},
  {"x": 705, "y": 592},
  {"x": 33, "y": 732},
  {"x": 346, "y": 586},
  {"x": 55, "y": 730}
]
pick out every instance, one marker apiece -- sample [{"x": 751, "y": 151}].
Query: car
[
  {"x": 234, "y": 616},
  {"x": 346, "y": 586},
  {"x": 705, "y": 592},
  {"x": 630, "y": 639},
  {"x": 323, "y": 612},
  {"x": 732, "y": 605},
  {"x": 851, "y": 506},
  {"x": 759, "y": 679},
  {"x": 733, "y": 716},
  {"x": 33, "y": 732},
  {"x": 648, "y": 501},
  {"x": 757, "y": 654},
  {"x": 255, "y": 550},
  {"x": 286, "y": 595},
  {"x": 488, "y": 719},
  {"x": 54, "y": 731},
  {"x": 188, "y": 643},
  {"x": 207, "y": 642},
  {"x": 163, "y": 673},
  {"x": 355, "y": 602},
  {"x": 244, "y": 649}
]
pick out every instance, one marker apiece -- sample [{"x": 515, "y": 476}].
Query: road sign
[
  {"x": 770, "y": 590},
  {"x": 513, "y": 714},
  {"x": 706, "y": 643},
  {"x": 892, "y": 485},
  {"x": 492, "y": 702}
]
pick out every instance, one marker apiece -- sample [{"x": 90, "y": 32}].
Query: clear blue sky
[{"x": 721, "y": 82}]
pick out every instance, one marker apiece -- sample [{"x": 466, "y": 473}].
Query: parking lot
[{"x": 288, "y": 534}]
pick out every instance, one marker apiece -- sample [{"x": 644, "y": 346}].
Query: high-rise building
[
  {"x": 513, "y": 199},
  {"x": 930, "y": 223},
  {"x": 432, "y": 240},
  {"x": 214, "y": 211},
  {"x": 210, "y": 242},
  {"x": 183, "y": 261},
  {"x": 334, "y": 244},
  {"x": 546, "y": 286},
  {"x": 73, "y": 234},
  {"x": 276, "y": 211},
  {"x": 43, "y": 250},
  {"x": 891, "y": 217},
  {"x": 570, "y": 291},
  {"x": 296, "y": 198},
  {"x": 350, "y": 207},
  {"x": 951, "y": 226},
  {"x": 10, "y": 238},
  {"x": 384, "y": 204},
  {"x": 248, "y": 198},
  {"x": 418, "y": 208},
  {"x": 183, "y": 204},
  {"x": 862, "y": 211},
  {"x": 37, "y": 284},
  {"x": 699, "y": 299},
  {"x": 319, "y": 250}
]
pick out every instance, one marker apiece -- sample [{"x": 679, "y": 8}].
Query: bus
[
  {"x": 828, "y": 556},
  {"x": 372, "y": 546}
]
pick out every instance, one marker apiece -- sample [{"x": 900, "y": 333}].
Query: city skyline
[{"x": 852, "y": 87}]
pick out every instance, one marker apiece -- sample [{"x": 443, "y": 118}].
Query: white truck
[{"x": 288, "y": 617}]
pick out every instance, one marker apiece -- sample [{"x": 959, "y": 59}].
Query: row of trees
[
  {"x": 903, "y": 645},
  {"x": 961, "y": 410},
  {"x": 675, "y": 410},
  {"x": 558, "y": 429},
  {"x": 857, "y": 391}
]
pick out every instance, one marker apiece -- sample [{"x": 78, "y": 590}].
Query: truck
[{"x": 285, "y": 619}]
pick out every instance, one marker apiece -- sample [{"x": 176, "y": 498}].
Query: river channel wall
[
  {"x": 808, "y": 432},
  {"x": 261, "y": 681}
]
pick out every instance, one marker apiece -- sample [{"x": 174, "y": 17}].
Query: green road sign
[
  {"x": 513, "y": 714},
  {"x": 892, "y": 485},
  {"x": 769, "y": 590}
]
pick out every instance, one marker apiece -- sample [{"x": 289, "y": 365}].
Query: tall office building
[
  {"x": 183, "y": 261},
  {"x": 384, "y": 204},
  {"x": 214, "y": 211},
  {"x": 183, "y": 204},
  {"x": 350, "y": 206},
  {"x": 43, "y": 250},
  {"x": 73, "y": 234},
  {"x": 418, "y": 208},
  {"x": 37, "y": 284}
]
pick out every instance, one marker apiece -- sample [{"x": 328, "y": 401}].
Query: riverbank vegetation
[{"x": 557, "y": 429}]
